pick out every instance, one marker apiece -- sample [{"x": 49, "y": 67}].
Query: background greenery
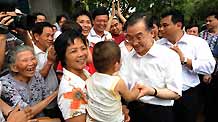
[{"x": 193, "y": 9}]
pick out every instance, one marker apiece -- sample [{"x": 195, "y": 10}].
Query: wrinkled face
[
  {"x": 76, "y": 55},
  {"x": 45, "y": 40},
  {"x": 116, "y": 27},
  {"x": 211, "y": 22},
  {"x": 25, "y": 64},
  {"x": 139, "y": 37},
  {"x": 40, "y": 18},
  {"x": 167, "y": 27},
  {"x": 193, "y": 31},
  {"x": 85, "y": 22},
  {"x": 100, "y": 23}
]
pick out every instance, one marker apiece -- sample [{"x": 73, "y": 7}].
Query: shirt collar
[
  {"x": 37, "y": 50},
  {"x": 93, "y": 33},
  {"x": 153, "y": 51},
  {"x": 164, "y": 41}
]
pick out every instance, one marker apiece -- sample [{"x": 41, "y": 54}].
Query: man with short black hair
[
  {"x": 195, "y": 57},
  {"x": 100, "y": 19}
]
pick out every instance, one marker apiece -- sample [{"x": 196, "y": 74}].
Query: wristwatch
[{"x": 185, "y": 61}]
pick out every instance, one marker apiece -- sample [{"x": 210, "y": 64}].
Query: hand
[
  {"x": 20, "y": 116},
  {"x": 126, "y": 113},
  {"x": 144, "y": 90},
  {"x": 178, "y": 51},
  {"x": 51, "y": 54},
  {"x": 5, "y": 19},
  {"x": 118, "y": 8},
  {"x": 207, "y": 79},
  {"x": 113, "y": 9}
]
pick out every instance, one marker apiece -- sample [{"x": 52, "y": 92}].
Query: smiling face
[
  {"x": 25, "y": 65},
  {"x": 116, "y": 27},
  {"x": 139, "y": 37},
  {"x": 76, "y": 55},
  {"x": 85, "y": 22},
  {"x": 45, "y": 40},
  {"x": 100, "y": 23}
]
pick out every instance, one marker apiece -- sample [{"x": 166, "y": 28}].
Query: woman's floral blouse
[{"x": 72, "y": 99}]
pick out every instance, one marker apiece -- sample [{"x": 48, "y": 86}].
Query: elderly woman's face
[
  {"x": 25, "y": 64},
  {"x": 76, "y": 55}
]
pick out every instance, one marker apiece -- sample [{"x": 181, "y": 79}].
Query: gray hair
[{"x": 11, "y": 57}]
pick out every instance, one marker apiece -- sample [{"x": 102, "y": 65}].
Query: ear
[
  {"x": 13, "y": 68},
  {"x": 179, "y": 24},
  {"x": 36, "y": 37},
  {"x": 117, "y": 66}
]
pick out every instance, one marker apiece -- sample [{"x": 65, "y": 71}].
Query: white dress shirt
[
  {"x": 159, "y": 68},
  {"x": 51, "y": 78},
  {"x": 95, "y": 38},
  {"x": 196, "y": 49}
]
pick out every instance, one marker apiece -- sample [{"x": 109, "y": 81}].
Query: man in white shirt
[
  {"x": 46, "y": 55},
  {"x": 154, "y": 66},
  {"x": 100, "y": 20},
  {"x": 196, "y": 58}
]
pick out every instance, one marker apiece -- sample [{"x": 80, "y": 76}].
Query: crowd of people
[{"x": 96, "y": 67}]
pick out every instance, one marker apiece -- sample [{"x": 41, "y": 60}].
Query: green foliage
[{"x": 192, "y": 9}]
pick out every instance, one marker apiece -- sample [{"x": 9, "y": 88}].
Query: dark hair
[
  {"x": 100, "y": 11},
  {"x": 213, "y": 13},
  {"x": 38, "y": 27},
  {"x": 80, "y": 13},
  {"x": 136, "y": 17},
  {"x": 192, "y": 23},
  {"x": 37, "y": 14},
  {"x": 69, "y": 25},
  {"x": 58, "y": 18},
  {"x": 64, "y": 40},
  {"x": 155, "y": 20},
  {"x": 176, "y": 15},
  {"x": 105, "y": 55},
  {"x": 8, "y": 5}
]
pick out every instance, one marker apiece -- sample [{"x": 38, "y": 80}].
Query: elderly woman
[
  {"x": 72, "y": 51},
  {"x": 24, "y": 86}
]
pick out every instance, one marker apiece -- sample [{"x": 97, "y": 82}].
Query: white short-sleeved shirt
[
  {"x": 196, "y": 49},
  {"x": 51, "y": 78},
  {"x": 71, "y": 94},
  {"x": 159, "y": 68},
  {"x": 104, "y": 105},
  {"x": 95, "y": 38}
]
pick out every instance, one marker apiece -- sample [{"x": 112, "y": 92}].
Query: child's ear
[
  {"x": 117, "y": 66},
  {"x": 14, "y": 68}
]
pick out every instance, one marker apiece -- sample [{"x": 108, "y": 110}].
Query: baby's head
[{"x": 106, "y": 57}]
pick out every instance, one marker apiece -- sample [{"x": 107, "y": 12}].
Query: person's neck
[
  {"x": 214, "y": 30},
  {"x": 21, "y": 78},
  {"x": 100, "y": 33},
  {"x": 79, "y": 73},
  {"x": 176, "y": 37},
  {"x": 41, "y": 47}
]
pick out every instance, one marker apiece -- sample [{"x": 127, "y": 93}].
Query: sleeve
[
  {"x": 204, "y": 62},
  {"x": 10, "y": 95},
  {"x": 69, "y": 104}
]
